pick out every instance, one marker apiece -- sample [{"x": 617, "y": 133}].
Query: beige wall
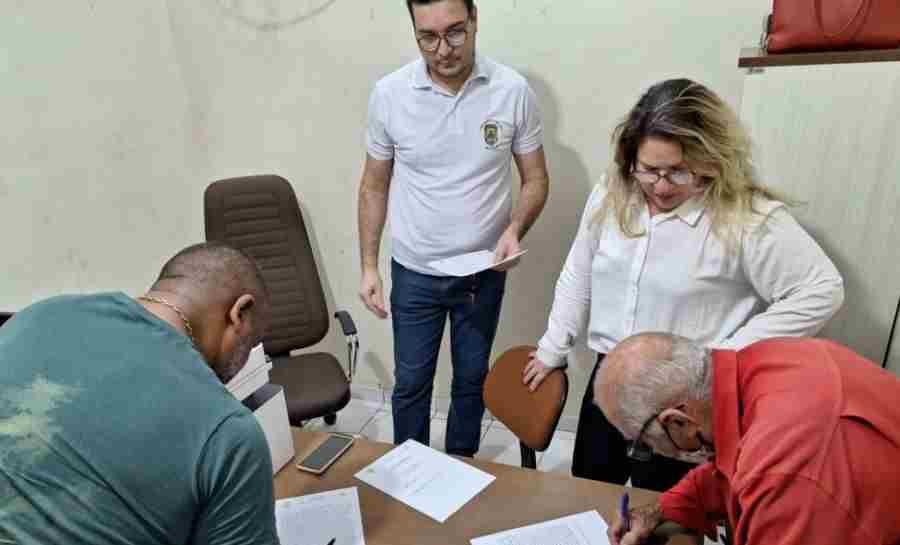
[
  {"x": 841, "y": 165},
  {"x": 117, "y": 114}
]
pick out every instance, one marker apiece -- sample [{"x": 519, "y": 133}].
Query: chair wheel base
[{"x": 331, "y": 419}]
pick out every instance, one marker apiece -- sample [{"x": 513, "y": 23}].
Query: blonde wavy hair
[{"x": 715, "y": 146}]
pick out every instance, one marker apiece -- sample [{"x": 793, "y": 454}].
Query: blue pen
[{"x": 623, "y": 512}]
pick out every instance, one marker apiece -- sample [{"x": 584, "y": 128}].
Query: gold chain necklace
[{"x": 184, "y": 318}]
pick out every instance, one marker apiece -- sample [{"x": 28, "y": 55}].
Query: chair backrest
[
  {"x": 532, "y": 416},
  {"x": 261, "y": 216},
  {"x": 4, "y": 316}
]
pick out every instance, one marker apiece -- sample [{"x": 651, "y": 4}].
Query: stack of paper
[
  {"x": 253, "y": 376},
  {"x": 429, "y": 481},
  {"x": 582, "y": 529},
  {"x": 317, "y": 519}
]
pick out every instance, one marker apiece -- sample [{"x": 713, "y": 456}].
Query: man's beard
[{"x": 235, "y": 361}]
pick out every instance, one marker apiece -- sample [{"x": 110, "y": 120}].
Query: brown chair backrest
[
  {"x": 261, "y": 216},
  {"x": 532, "y": 416}
]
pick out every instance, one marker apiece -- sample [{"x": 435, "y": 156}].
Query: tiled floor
[{"x": 373, "y": 421}]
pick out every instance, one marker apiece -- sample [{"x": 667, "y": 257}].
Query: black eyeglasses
[
  {"x": 641, "y": 451},
  {"x": 455, "y": 37}
]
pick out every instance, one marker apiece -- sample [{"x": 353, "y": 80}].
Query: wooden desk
[{"x": 517, "y": 497}]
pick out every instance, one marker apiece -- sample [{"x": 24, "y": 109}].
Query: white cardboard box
[
  {"x": 253, "y": 376},
  {"x": 269, "y": 407}
]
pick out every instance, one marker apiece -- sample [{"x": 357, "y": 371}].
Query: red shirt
[{"x": 807, "y": 437}]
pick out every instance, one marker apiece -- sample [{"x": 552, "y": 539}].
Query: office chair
[
  {"x": 532, "y": 416},
  {"x": 261, "y": 216}
]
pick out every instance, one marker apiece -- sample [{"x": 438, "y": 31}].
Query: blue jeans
[{"x": 420, "y": 304}]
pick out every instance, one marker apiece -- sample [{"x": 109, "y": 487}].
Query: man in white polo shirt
[{"x": 442, "y": 133}]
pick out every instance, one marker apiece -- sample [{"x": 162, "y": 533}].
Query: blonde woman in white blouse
[{"x": 680, "y": 237}]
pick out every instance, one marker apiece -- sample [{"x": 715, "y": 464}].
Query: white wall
[
  {"x": 116, "y": 115},
  {"x": 842, "y": 167}
]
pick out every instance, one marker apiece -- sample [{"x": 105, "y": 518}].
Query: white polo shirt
[
  {"x": 451, "y": 186},
  {"x": 680, "y": 278}
]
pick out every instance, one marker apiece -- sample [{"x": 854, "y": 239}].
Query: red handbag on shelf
[{"x": 833, "y": 25}]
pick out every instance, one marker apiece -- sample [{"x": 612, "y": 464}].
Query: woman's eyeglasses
[{"x": 675, "y": 177}]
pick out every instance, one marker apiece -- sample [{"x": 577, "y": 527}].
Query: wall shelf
[{"x": 754, "y": 57}]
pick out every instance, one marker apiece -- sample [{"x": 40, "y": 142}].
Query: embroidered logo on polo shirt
[{"x": 490, "y": 130}]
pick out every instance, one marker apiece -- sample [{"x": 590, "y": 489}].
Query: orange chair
[{"x": 532, "y": 416}]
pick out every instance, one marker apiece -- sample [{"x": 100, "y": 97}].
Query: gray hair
[{"x": 660, "y": 384}]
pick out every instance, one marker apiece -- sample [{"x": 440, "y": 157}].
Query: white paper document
[
  {"x": 429, "y": 481},
  {"x": 471, "y": 263},
  {"x": 586, "y": 528},
  {"x": 316, "y": 519}
]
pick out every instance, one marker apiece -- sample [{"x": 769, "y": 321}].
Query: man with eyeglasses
[
  {"x": 443, "y": 132},
  {"x": 801, "y": 437}
]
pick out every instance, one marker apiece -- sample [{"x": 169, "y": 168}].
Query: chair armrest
[
  {"x": 346, "y": 321},
  {"x": 350, "y": 332}
]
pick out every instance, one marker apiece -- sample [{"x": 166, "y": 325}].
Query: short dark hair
[
  {"x": 215, "y": 266},
  {"x": 470, "y": 6}
]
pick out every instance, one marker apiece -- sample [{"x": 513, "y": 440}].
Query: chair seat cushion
[
  {"x": 314, "y": 385},
  {"x": 532, "y": 416}
]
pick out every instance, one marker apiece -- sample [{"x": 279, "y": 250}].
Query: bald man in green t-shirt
[{"x": 115, "y": 424}]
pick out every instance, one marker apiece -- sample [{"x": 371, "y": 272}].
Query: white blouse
[{"x": 680, "y": 278}]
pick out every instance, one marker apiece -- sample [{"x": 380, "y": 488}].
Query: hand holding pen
[{"x": 636, "y": 526}]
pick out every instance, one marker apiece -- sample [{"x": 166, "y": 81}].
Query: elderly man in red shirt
[{"x": 801, "y": 439}]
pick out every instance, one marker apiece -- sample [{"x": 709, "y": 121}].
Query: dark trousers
[
  {"x": 600, "y": 451},
  {"x": 420, "y": 305}
]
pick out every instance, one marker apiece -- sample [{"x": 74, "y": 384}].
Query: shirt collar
[
  {"x": 420, "y": 78},
  {"x": 689, "y": 212},
  {"x": 726, "y": 410}
]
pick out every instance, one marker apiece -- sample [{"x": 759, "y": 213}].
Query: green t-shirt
[{"x": 114, "y": 430}]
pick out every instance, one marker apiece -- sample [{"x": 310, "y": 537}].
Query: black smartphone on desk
[{"x": 326, "y": 454}]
